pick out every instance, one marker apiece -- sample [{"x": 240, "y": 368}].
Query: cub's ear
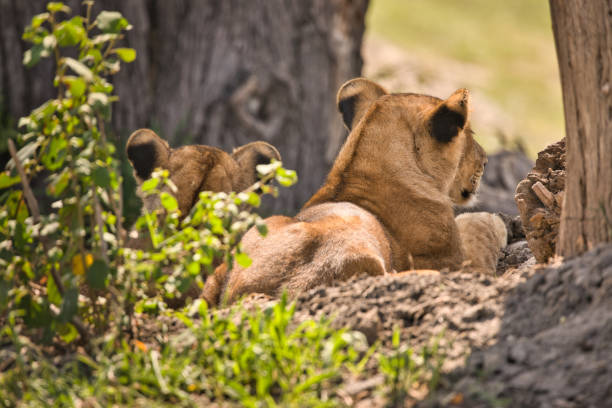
[
  {"x": 450, "y": 116},
  {"x": 250, "y": 156},
  {"x": 146, "y": 151},
  {"x": 354, "y": 99}
]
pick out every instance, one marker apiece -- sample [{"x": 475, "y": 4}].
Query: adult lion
[{"x": 384, "y": 207}]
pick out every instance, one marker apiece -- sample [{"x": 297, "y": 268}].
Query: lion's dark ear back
[
  {"x": 450, "y": 117},
  {"x": 347, "y": 107},
  {"x": 354, "y": 99},
  {"x": 253, "y": 154},
  {"x": 146, "y": 151},
  {"x": 446, "y": 124}
]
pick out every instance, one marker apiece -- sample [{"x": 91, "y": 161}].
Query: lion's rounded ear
[
  {"x": 251, "y": 155},
  {"x": 146, "y": 151},
  {"x": 355, "y": 97},
  {"x": 450, "y": 116}
]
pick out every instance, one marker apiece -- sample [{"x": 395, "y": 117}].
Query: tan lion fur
[
  {"x": 467, "y": 181},
  {"x": 483, "y": 235},
  {"x": 384, "y": 207},
  {"x": 195, "y": 168}
]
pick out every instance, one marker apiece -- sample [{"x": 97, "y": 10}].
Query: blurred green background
[{"x": 510, "y": 42}]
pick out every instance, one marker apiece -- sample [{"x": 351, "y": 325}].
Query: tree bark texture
[
  {"x": 583, "y": 36},
  {"x": 219, "y": 72}
]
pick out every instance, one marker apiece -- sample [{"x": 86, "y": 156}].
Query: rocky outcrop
[{"x": 539, "y": 198}]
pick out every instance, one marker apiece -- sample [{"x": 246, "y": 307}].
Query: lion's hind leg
[{"x": 483, "y": 235}]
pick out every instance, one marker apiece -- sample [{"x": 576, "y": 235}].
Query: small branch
[
  {"x": 99, "y": 224},
  {"x": 33, "y": 206},
  {"x": 27, "y": 191}
]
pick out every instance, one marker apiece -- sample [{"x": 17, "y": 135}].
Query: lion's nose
[{"x": 465, "y": 193}]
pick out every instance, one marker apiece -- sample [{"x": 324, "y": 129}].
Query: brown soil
[{"x": 554, "y": 348}]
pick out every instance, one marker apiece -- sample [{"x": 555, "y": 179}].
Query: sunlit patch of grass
[{"x": 513, "y": 41}]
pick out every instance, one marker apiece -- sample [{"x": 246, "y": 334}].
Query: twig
[
  {"x": 27, "y": 191},
  {"x": 100, "y": 224}
]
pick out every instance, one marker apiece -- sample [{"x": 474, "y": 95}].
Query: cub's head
[
  {"x": 195, "y": 168},
  {"x": 467, "y": 180},
  {"x": 417, "y": 134}
]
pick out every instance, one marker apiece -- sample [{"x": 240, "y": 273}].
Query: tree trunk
[
  {"x": 583, "y": 37},
  {"x": 219, "y": 72}
]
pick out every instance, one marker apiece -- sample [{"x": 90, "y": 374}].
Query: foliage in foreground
[
  {"x": 74, "y": 296},
  {"x": 252, "y": 359}
]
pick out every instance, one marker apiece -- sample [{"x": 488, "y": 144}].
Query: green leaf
[
  {"x": 95, "y": 54},
  {"x": 286, "y": 177},
  {"x": 52, "y": 292},
  {"x": 4, "y": 291},
  {"x": 102, "y": 38},
  {"x": 243, "y": 260},
  {"x": 70, "y": 305},
  {"x": 55, "y": 154},
  {"x": 254, "y": 199},
  {"x": 111, "y": 22},
  {"x": 97, "y": 273},
  {"x": 193, "y": 268},
  {"x": 45, "y": 110},
  {"x": 56, "y": 6},
  {"x": 150, "y": 184},
  {"x": 70, "y": 33},
  {"x": 101, "y": 177},
  {"x": 33, "y": 55},
  {"x": 168, "y": 201},
  {"x": 59, "y": 182},
  {"x": 77, "y": 86},
  {"x": 79, "y": 68},
  {"x": 67, "y": 332},
  {"x": 126, "y": 54},
  {"x": 38, "y": 19},
  {"x": 6, "y": 180},
  {"x": 262, "y": 228}
]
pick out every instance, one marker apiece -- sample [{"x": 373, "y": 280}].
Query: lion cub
[
  {"x": 384, "y": 207},
  {"x": 195, "y": 168}
]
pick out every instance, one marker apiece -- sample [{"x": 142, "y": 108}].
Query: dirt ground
[
  {"x": 534, "y": 336},
  {"x": 554, "y": 346}
]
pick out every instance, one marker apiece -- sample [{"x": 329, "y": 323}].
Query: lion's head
[
  {"x": 467, "y": 180},
  {"x": 195, "y": 168},
  {"x": 436, "y": 131}
]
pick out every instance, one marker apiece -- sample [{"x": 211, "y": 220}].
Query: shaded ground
[
  {"x": 554, "y": 348},
  {"x": 538, "y": 336}
]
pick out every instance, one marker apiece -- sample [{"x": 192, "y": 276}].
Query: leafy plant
[
  {"x": 47, "y": 256},
  {"x": 404, "y": 369},
  {"x": 67, "y": 272},
  {"x": 253, "y": 359}
]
